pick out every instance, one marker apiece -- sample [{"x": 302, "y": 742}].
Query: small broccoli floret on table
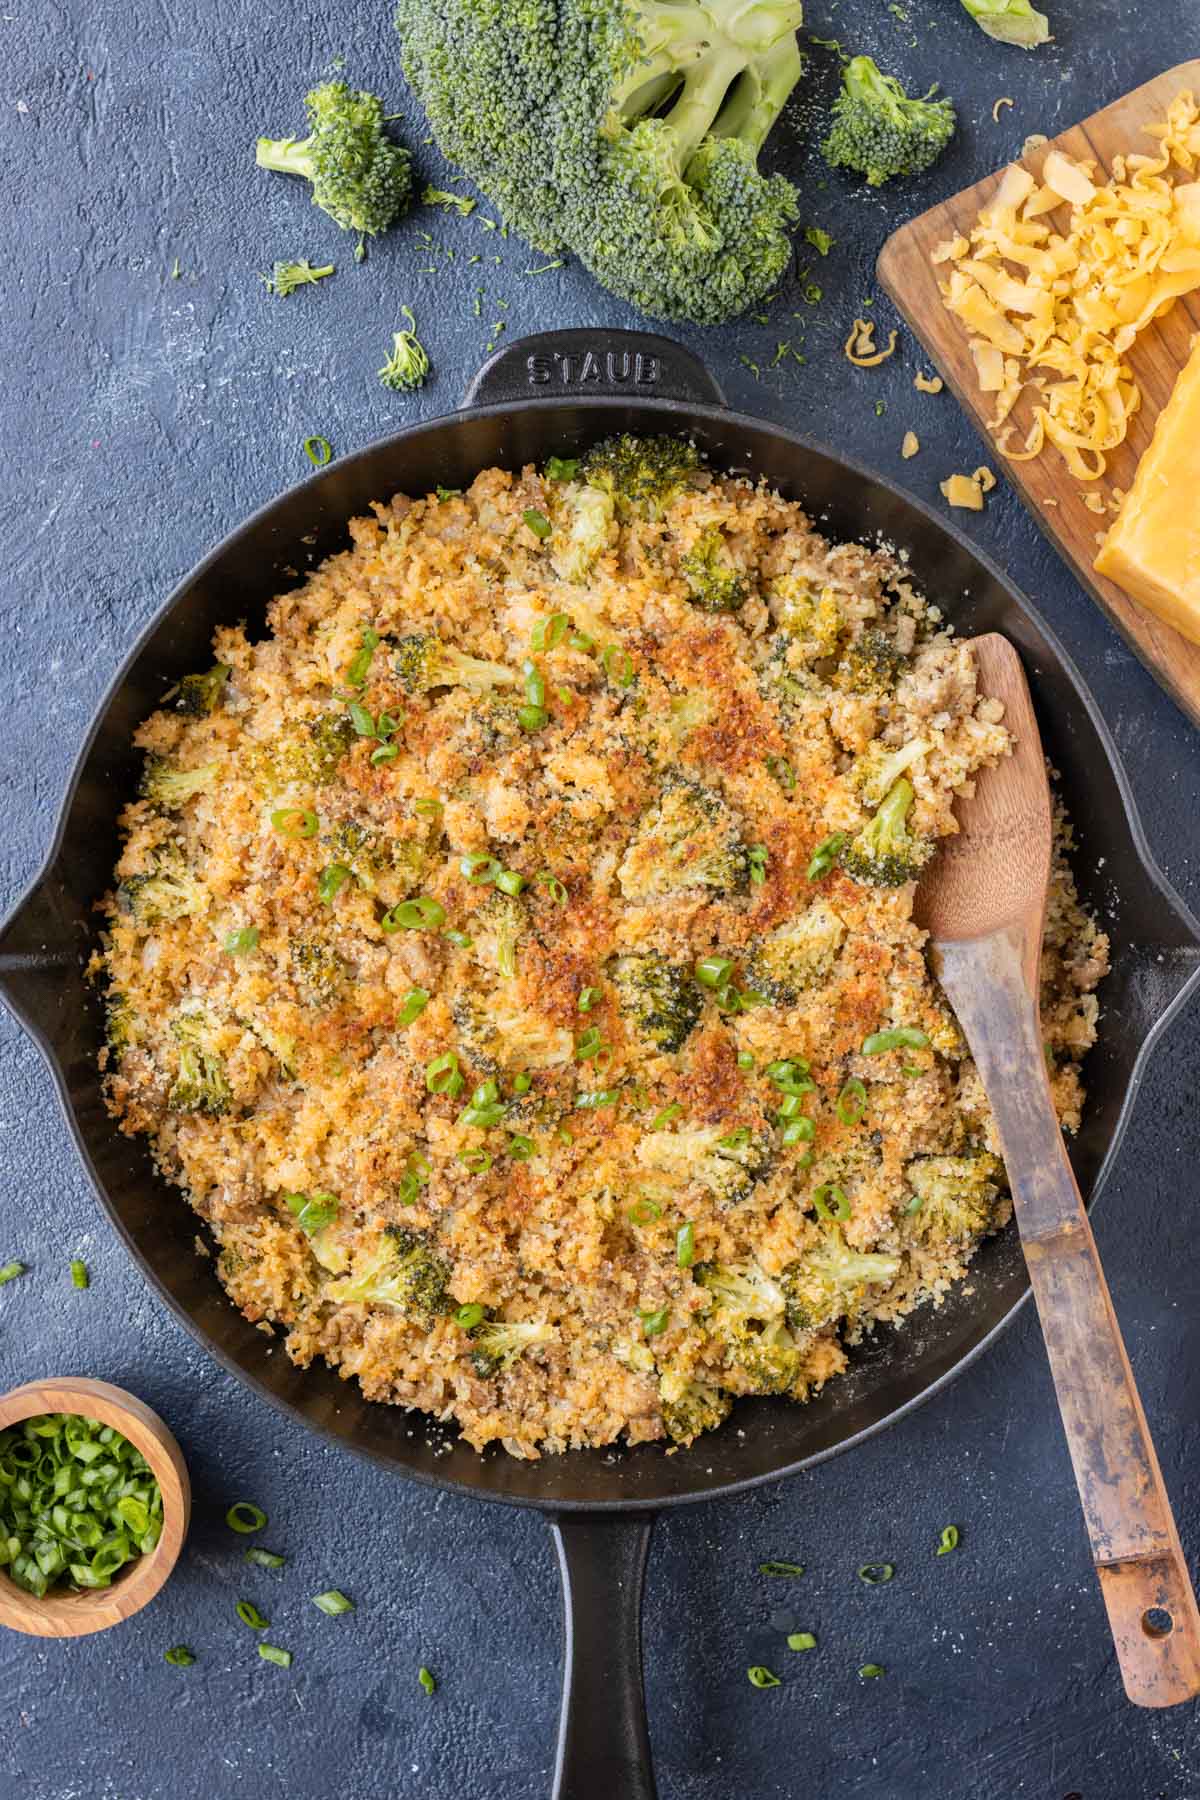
[
  {"x": 877, "y": 770},
  {"x": 714, "y": 583},
  {"x": 286, "y": 277},
  {"x": 201, "y": 1084},
  {"x": 954, "y": 1197},
  {"x": 422, "y": 663},
  {"x": 797, "y": 955},
  {"x": 726, "y": 1164},
  {"x": 688, "y": 841},
  {"x": 690, "y": 1406},
  {"x": 807, "y": 615},
  {"x": 878, "y": 131},
  {"x": 401, "y": 1271},
  {"x": 641, "y": 475},
  {"x": 359, "y": 176},
  {"x": 408, "y": 362},
  {"x": 659, "y": 998},
  {"x": 496, "y": 1345},
  {"x": 166, "y": 890},
  {"x": 201, "y": 694},
  {"x": 885, "y": 853},
  {"x": 169, "y": 788},
  {"x": 831, "y": 1281}
]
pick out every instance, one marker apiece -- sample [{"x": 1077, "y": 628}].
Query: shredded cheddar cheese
[
  {"x": 985, "y": 478},
  {"x": 963, "y": 490},
  {"x": 927, "y": 384},
  {"x": 861, "y": 349},
  {"x": 910, "y": 443},
  {"x": 1003, "y": 101}
]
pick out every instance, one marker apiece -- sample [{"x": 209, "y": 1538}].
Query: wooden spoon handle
[{"x": 1135, "y": 1545}]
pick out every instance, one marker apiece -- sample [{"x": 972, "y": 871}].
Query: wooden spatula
[{"x": 983, "y": 902}]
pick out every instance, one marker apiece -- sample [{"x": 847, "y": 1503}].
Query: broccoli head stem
[{"x": 289, "y": 156}]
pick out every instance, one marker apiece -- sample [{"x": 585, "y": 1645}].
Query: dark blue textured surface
[{"x": 143, "y": 417}]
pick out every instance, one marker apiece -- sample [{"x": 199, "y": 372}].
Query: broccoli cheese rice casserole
[{"x": 511, "y": 955}]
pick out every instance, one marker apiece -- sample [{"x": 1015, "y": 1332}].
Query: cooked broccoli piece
[
  {"x": 725, "y": 1163},
  {"x": 167, "y": 890},
  {"x": 871, "y": 665},
  {"x": 496, "y": 1345},
  {"x": 307, "y": 752},
  {"x": 830, "y": 1281},
  {"x": 878, "y": 131},
  {"x": 641, "y": 475},
  {"x": 318, "y": 972},
  {"x": 358, "y": 175},
  {"x": 202, "y": 694},
  {"x": 810, "y": 617},
  {"x": 885, "y": 853},
  {"x": 201, "y": 1084},
  {"x": 497, "y": 926},
  {"x": 281, "y": 1046},
  {"x": 497, "y": 1035},
  {"x": 422, "y": 663},
  {"x": 764, "y": 1361},
  {"x": 120, "y": 1024},
  {"x": 1010, "y": 22},
  {"x": 461, "y": 203},
  {"x": 689, "y": 840},
  {"x": 690, "y": 1406},
  {"x": 168, "y": 787},
  {"x": 954, "y": 1196},
  {"x": 714, "y": 583},
  {"x": 627, "y": 131},
  {"x": 589, "y": 512},
  {"x": 286, "y": 277},
  {"x": 389, "y": 866},
  {"x": 660, "y": 998},
  {"x": 408, "y": 364},
  {"x": 743, "y": 1299},
  {"x": 402, "y": 1271},
  {"x": 877, "y": 770},
  {"x": 796, "y": 955}
]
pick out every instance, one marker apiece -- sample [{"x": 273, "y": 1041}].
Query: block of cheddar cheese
[{"x": 1153, "y": 546}]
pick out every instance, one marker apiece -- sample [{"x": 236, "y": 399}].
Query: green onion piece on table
[
  {"x": 875, "y": 1574},
  {"x": 871, "y": 1671},
  {"x": 333, "y": 1602},
  {"x": 781, "y": 1568},
  {"x": 244, "y": 1516},
  {"x": 79, "y": 1274},
  {"x": 249, "y": 1614},
  {"x": 179, "y": 1656},
  {"x": 318, "y": 450},
  {"x": 801, "y": 1640},
  {"x": 427, "y": 1681},
  {"x": 10, "y": 1271},
  {"x": 273, "y": 1654},
  {"x": 263, "y": 1559},
  {"x": 760, "y": 1677},
  {"x": 948, "y": 1540}
]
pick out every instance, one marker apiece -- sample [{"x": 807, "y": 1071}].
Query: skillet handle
[
  {"x": 591, "y": 364},
  {"x": 603, "y": 1741}
]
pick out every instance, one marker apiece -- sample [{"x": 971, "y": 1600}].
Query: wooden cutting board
[{"x": 1156, "y": 359}]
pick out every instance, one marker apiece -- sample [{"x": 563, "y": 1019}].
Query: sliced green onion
[
  {"x": 331, "y": 881},
  {"x": 244, "y": 1516},
  {"x": 427, "y": 1681},
  {"x": 831, "y": 1202},
  {"x": 522, "y": 1083},
  {"x": 758, "y": 857},
  {"x": 644, "y": 1212},
  {"x": 313, "y": 1212},
  {"x": 906, "y": 1037},
  {"x": 736, "y": 1139},
  {"x": 295, "y": 822},
  {"x": 713, "y": 971},
  {"x": 421, "y": 914},
  {"x": 824, "y": 856},
  {"x": 749, "y": 997},
  {"x": 318, "y": 450},
  {"x": 461, "y": 939},
  {"x": 579, "y": 640},
  {"x": 237, "y": 943},
  {"x": 179, "y": 1656},
  {"x": 263, "y": 1559},
  {"x": 532, "y": 718},
  {"x": 549, "y": 633},
  {"x": 618, "y": 665},
  {"x": 785, "y": 1070},
  {"x": 362, "y": 721},
  {"x": 588, "y": 997},
  {"x": 521, "y": 1148},
  {"x": 333, "y": 1602},
  {"x": 535, "y": 683},
  {"x": 597, "y": 1097},
  {"x": 790, "y": 1105},
  {"x": 537, "y": 522},
  {"x": 561, "y": 468},
  {"x": 761, "y": 1677},
  {"x": 414, "y": 1004},
  {"x": 911, "y": 1069},
  {"x": 801, "y": 1640},
  {"x": 798, "y": 1131},
  {"x": 509, "y": 882},
  {"x": 589, "y": 1043},
  {"x": 876, "y": 1574},
  {"x": 79, "y": 1274},
  {"x": 480, "y": 869},
  {"x": 273, "y": 1654},
  {"x": 356, "y": 674},
  {"x": 415, "y": 1176},
  {"x": 653, "y": 1323},
  {"x": 476, "y": 1162},
  {"x": 441, "y": 1073},
  {"x": 428, "y": 808},
  {"x": 385, "y": 753},
  {"x": 948, "y": 1540},
  {"x": 249, "y": 1614},
  {"x": 869, "y": 1671},
  {"x": 469, "y": 1316},
  {"x": 784, "y": 775},
  {"x": 553, "y": 886},
  {"x": 666, "y": 1117},
  {"x": 10, "y": 1271},
  {"x": 851, "y": 1103},
  {"x": 787, "y": 1570},
  {"x": 685, "y": 1245},
  {"x": 745, "y": 1060}
]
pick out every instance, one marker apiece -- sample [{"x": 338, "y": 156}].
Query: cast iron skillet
[{"x": 558, "y": 393}]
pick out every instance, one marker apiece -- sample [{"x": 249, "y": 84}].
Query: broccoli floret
[
  {"x": 408, "y": 364},
  {"x": 497, "y": 926},
  {"x": 879, "y": 768},
  {"x": 726, "y": 1164},
  {"x": 589, "y": 513},
  {"x": 120, "y": 1024},
  {"x": 391, "y": 867},
  {"x": 497, "y": 1035},
  {"x": 461, "y": 203},
  {"x": 318, "y": 972},
  {"x": 306, "y": 753},
  {"x": 201, "y": 694},
  {"x": 168, "y": 787},
  {"x": 359, "y": 176},
  {"x": 743, "y": 1299},
  {"x": 714, "y": 583},
  {"x": 496, "y": 1345},
  {"x": 201, "y": 1084},
  {"x": 830, "y": 1281},
  {"x": 659, "y": 998},
  {"x": 764, "y": 1361},
  {"x": 690, "y": 1406},
  {"x": 871, "y": 665},
  {"x": 641, "y": 476},
  {"x": 809, "y": 616},
  {"x": 286, "y": 277},
  {"x": 402, "y": 1271},
  {"x": 954, "y": 1197},
  {"x": 625, "y": 130},
  {"x": 1010, "y": 21},
  {"x": 688, "y": 841},
  {"x": 798, "y": 955},
  {"x": 885, "y": 853},
  {"x": 422, "y": 663},
  {"x": 878, "y": 131},
  {"x": 167, "y": 890}
]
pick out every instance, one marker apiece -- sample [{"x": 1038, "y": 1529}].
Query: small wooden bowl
[{"x": 63, "y": 1614}]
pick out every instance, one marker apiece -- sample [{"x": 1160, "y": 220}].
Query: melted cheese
[{"x": 1153, "y": 546}]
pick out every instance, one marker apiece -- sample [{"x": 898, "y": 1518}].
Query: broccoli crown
[
  {"x": 408, "y": 364},
  {"x": 1010, "y": 21},
  {"x": 877, "y": 770},
  {"x": 379, "y": 863},
  {"x": 498, "y": 1343},
  {"x": 286, "y": 277},
  {"x": 714, "y": 583},
  {"x": 808, "y": 616},
  {"x": 402, "y": 1272},
  {"x": 797, "y": 955},
  {"x": 422, "y": 663},
  {"x": 625, "y": 130},
  {"x": 743, "y": 1299},
  {"x": 830, "y": 1281},
  {"x": 201, "y": 694},
  {"x": 497, "y": 926},
  {"x": 358, "y": 175},
  {"x": 688, "y": 840},
  {"x": 871, "y": 665},
  {"x": 726, "y": 1164},
  {"x": 954, "y": 1197},
  {"x": 885, "y": 853},
  {"x": 764, "y": 1360},
  {"x": 690, "y": 1406},
  {"x": 201, "y": 1084},
  {"x": 642, "y": 475},
  {"x": 318, "y": 972},
  {"x": 120, "y": 1024},
  {"x": 167, "y": 890},
  {"x": 307, "y": 752},
  {"x": 169, "y": 788},
  {"x": 659, "y": 998},
  {"x": 878, "y": 131}
]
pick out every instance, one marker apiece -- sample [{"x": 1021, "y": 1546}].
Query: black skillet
[{"x": 558, "y": 393}]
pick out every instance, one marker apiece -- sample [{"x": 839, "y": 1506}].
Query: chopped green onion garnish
[
  {"x": 655, "y": 1322},
  {"x": 758, "y": 857},
  {"x": 905, "y": 1037},
  {"x": 852, "y": 1102},
  {"x": 521, "y": 1148},
  {"x": 469, "y": 1316},
  {"x": 385, "y": 753},
  {"x": 237, "y": 943},
  {"x": 875, "y": 1574},
  {"x": 537, "y": 522},
  {"x": 509, "y": 882},
  {"x": 685, "y": 1245},
  {"x": 801, "y": 1640},
  {"x": 428, "y": 808},
  {"x": 745, "y": 1060},
  {"x": 10, "y": 1271},
  {"x": 522, "y": 1083},
  {"x": 179, "y": 1656},
  {"x": 597, "y": 1097},
  {"x": 549, "y": 633},
  {"x": 331, "y": 881},
  {"x": 531, "y": 718},
  {"x": 427, "y": 1681},
  {"x": 476, "y": 1162},
  {"x": 442, "y": 1073},
  {"x": 589, "y": 1043},
  {"x": 421, "y": 914},
  {"x": 713, "y": 971},
  {"x": 644, "y": 1212},
  {"x": 244, "y": 1516},
  {"x": 459, "y": 938},
  {"x": 824, "y": 856},
  {"x": 263, "y": 1559},
  {"x": 272, "y": 1654},
  {"x": 333, "y": 1602},
  {"x": 480, "y": 870},
  {"x": 295, "y": 822},
  {"x": 588, "y": 997},
  {"x": 79, "y": 1274},
  {"x": 869, "y": 1671},
  {"x": 414, "y": 1004},
  {"x": 318, "y": 450},
  {"x": 313, "y": 1212},
  {"x": 761, "y": 1677},
  {"x": 618, "y": 665},
  {"x": 362, "y": 721},
  {"x": 910, "y": 1069},
  {"x": 784, "y": 775},
  {"x": 666, "y": 1117},
  {"x": 356, "y": 674},
  {"x": 553, "y": 886},
  {"x": 787, "y": 1569},
  {"x": 249, "y": 1614},
  {"x": 948, "y": 1540},
  {"x": 798, "y": 1131},
  {"x": 561, "y": 468},
  {"x": 535, "y": 683},
  {"x": 831, "y": 1202}
]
